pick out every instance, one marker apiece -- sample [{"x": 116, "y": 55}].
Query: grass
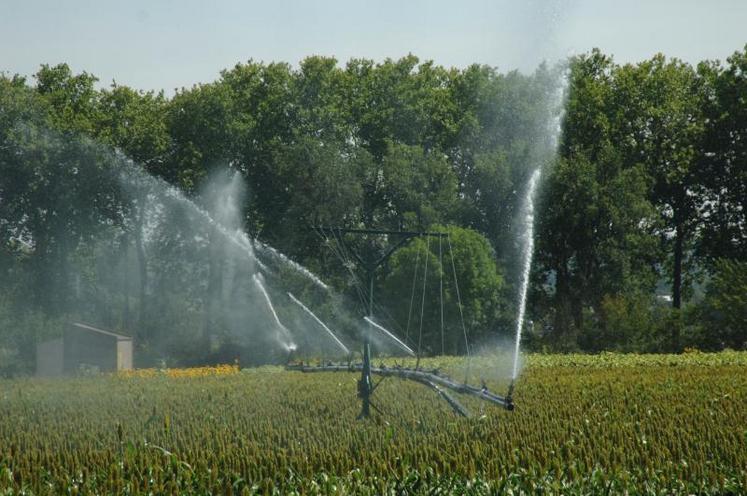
[{"x": 645, "y": 424}]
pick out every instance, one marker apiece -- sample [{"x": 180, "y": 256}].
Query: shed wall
[
  {"x": 49, "y": 358},
  {"x": 92, "y": 349},
  {"x": 124, "y": 354}
]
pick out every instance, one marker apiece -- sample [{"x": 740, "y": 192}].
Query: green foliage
[
  {"x": 666, "y": 99},
  {"x": 414, "y": 188},
  {"x": 322, "y": 187},
  {"x": 723, "y": 313},
  {"x": 22, "y": 329},
  {"x": 594, "y": 238},
  {"x": 629, "y": 322},
  {"x": 135, "y": 123},
  {"x": 638, "y": 194},
  {"x": 479, "y": 287},
  {"x": 72, "y": 99},
  {"x": 724, "y": 166},
  {"x": 198, "y": 125},
  {"x": 648, "y": 188}
]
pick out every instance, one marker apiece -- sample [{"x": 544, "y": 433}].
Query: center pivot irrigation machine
[{"x": 431, "y": 378}]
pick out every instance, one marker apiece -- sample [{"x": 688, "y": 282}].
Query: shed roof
[{"x": 120, "y": 337}]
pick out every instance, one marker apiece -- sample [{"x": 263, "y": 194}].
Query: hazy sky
[{"x": 165, "y": 44}]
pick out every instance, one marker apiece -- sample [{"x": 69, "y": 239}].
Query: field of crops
[{"x": 656, "y": 424}]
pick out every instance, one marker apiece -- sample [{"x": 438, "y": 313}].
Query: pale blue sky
[{"x": 164, "y": 44}]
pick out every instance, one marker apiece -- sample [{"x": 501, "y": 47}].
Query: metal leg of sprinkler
[
  {"x": 364, "y": 384},
  {"x": 510, "y": 396}
]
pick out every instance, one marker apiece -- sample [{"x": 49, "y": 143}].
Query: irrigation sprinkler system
[{"x": 433, "y": 379}]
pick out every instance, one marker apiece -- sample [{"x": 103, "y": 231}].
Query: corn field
[{"x": 609, "y": 424}]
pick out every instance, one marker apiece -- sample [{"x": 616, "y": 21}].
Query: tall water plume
[
  {"x": 544, "y": 153},
  {"x": 527, "y": 243}
]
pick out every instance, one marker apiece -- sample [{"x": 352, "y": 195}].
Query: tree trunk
[
  {"x": 677, "y": 285},
  {"x": 677, "y": 269},
  {"x": 562, "y": 321}
]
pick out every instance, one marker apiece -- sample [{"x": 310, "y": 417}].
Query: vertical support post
[{"x": 365, "y": 385}]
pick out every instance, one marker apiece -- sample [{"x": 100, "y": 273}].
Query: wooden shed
[{"x": 83, "y": 347}]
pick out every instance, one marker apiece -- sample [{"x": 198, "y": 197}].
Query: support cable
[
  {"x": 377, "y": 307},
  {"x": 337, "y": 251},
  {"x": 422, "y": 304},
  {"x": 347, "y": 261},
  {"x": 338, "y": 247},
  {"x": 461, "y": 312}
]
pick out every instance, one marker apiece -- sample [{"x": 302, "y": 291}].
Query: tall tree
[
  {"x": 595, "y": 229},
  {"x": 724, "y": 163},
  {"x": 668, "y": 95}
]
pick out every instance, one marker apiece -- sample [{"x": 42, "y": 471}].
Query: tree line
[{"x": 640, "y": 241}]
